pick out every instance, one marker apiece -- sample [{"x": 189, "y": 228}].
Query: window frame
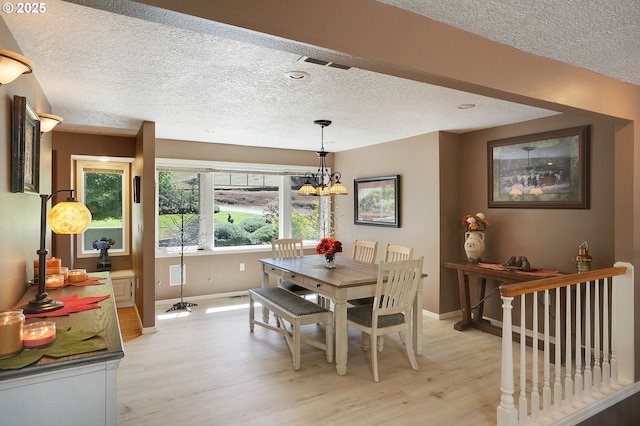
[
  {"x": 79, "y": 162},
  {"x": 203, "y": 166}
]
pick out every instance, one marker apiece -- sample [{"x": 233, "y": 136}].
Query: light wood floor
[{"x": 206, "y": 368}]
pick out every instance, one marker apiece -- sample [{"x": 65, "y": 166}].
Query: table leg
[
  {"x": 417, "y": 322},
  {"x": 483, "y": 290},
  {"x": 342, "y": 336},
  {"x": 465, "y": 302},
  {"x": 265, "y": 311}
]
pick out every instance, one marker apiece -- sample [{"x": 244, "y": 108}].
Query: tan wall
[
  {"x": 416, "y": 160},
  {"x": 19, "y": 212},
  {"x": 219, "y": 273},
  {"x": 548, "y": 237},
  {"x": 65, "y": 145}
]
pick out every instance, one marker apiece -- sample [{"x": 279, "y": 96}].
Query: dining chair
[
  {"x": 284, "y": 248},
  {"x": 392, "y": 253},
  {"x": 365, "y": 251},
  {"x": 396, "y": 289}
]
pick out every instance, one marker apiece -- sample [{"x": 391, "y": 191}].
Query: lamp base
[{"x": 36, "y": 306}]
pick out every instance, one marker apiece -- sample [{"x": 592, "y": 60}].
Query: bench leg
[
  {"x": 296, "y": 345},
  {"x": 251, "y": 314}
]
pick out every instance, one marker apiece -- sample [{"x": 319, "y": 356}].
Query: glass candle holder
[
  {"x": 65, "y": 272},
  {"x": 54, "y": 281},
  {"x": 38, "y": 334},
  {"x": 77, "y": 275},
  {"x": 11, "y": 332},
  {"x": 53, "y": 266}
]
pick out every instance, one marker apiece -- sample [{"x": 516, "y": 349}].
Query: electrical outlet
[{"x": 242, "y": 266}]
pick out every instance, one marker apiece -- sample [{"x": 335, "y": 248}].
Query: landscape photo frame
[
  {"x": 377, "y": 201},
  {"x": 543, "y": 170},
  {"x": 25, "y": 147}
]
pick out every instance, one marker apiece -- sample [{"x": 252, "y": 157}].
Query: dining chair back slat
[
  {"x": 393, "y": 253},
  {"x": 287, "y": 247},
  {"x": 365, "y": 251}
]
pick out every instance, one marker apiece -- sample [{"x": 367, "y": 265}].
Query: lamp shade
[
  {"x": 69, "y": 217},
  {"x": 338, "y": 189},
  {"x": 13, "y": 65},
  {"x": 48, "y": 122}
]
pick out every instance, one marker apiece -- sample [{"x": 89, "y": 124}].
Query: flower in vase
[
  {"x": 475, "y": 222},
  {"x": 103, "y": 243},
  {"x": 329, "y": 246}
]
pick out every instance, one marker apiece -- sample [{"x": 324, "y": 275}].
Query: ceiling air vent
[{"x": 323, "y": 63}]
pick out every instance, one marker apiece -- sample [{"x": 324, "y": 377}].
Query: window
[
  {"x": 103, "y": 186},
  {"x": 240, "y": 205}
]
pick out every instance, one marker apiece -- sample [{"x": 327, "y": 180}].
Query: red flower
[{"x": 329, "y": 246}]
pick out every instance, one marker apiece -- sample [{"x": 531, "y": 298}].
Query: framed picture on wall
[
  {"x": 377, "y": 201},
  {"x": 544, "y": 170},
  {"x": 25, "y": 147}
]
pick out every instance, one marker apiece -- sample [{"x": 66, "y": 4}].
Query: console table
[
  {"x": 73, "y": 390},
  {"x": 482, "y": 274}
]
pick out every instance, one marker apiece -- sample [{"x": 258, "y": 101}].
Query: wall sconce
[
  {"x": 12, "y": 65},
  {"x": 67, "y": 217},
  {"x": 48, "y": 122}
]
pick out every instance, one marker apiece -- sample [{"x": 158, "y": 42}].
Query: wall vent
[
  {"x": 174, "y": 274},
  {"x": 323, "y": 63}
]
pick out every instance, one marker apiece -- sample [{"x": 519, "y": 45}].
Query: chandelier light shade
[
  {"x": 48, "y": 122},
  {"x": 67, "y": 217},
  {"x": 12, "y": 65},
  {"x": 322, "y": 183}
]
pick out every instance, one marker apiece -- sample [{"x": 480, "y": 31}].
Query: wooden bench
[{"x": 297, "y": 311}]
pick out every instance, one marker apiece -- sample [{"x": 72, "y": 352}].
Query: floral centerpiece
[
  {"x": 329, "y": 247},
  {"x": 103, "y": 244},
  {"x": 475, "y": 222}
]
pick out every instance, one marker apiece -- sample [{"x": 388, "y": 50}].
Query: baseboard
[
  {"x": 444, "y": 316},
  {"x": 202, "y": 297}
]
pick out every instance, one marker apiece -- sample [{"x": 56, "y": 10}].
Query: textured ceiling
[{"x": 197, "y": 81}]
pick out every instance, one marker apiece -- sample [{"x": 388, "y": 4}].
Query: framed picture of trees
[{"x": 377, "y": 201}]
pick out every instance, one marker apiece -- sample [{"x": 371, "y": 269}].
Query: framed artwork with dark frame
[
  {"x": 25, "y": 147},
  {"x": 377, "y": 201},
  {"x": 544, "y": 170}
]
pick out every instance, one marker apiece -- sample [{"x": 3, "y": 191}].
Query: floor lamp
[{"x": 67, "y": 217}]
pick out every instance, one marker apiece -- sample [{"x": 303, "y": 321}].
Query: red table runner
[
  {"x": 542, "y": 273},
  {"x": 71, "y": 305}
]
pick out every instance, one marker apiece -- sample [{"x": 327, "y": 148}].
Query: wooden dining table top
[{"x": 347, "y": 273}]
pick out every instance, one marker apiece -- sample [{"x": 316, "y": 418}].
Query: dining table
[{"x": 350, "y": 279}]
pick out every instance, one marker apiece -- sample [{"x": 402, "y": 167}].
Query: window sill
[{"x": 225, "y": 250}]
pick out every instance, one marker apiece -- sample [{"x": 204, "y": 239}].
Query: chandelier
[{"x": 322, "y": 182}]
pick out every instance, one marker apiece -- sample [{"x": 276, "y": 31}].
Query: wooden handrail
[{"x": 512, "y": 290}]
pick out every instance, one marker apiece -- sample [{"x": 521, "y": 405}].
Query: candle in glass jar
[
  {"x": 55, "y": 281},
  {"x": 65, "y": 273},
  {"x": 53, "y": 266},
  {"x": 38, "y": 334},
  {"x": 77, "y": 275},
  {"x": 11, "y": 332}
]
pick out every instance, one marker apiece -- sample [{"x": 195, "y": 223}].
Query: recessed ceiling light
[
  {"x": 296, "y": 75},
  {"x": 466, "y": 106}
]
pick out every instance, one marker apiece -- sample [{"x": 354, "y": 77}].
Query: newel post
[{"x": 506, "y": 411}]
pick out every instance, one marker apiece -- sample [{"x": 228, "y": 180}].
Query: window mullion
[{"x": 284, "y": 206}]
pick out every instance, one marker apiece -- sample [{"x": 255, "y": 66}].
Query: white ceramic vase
[{"x": 474, "y": 245}]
